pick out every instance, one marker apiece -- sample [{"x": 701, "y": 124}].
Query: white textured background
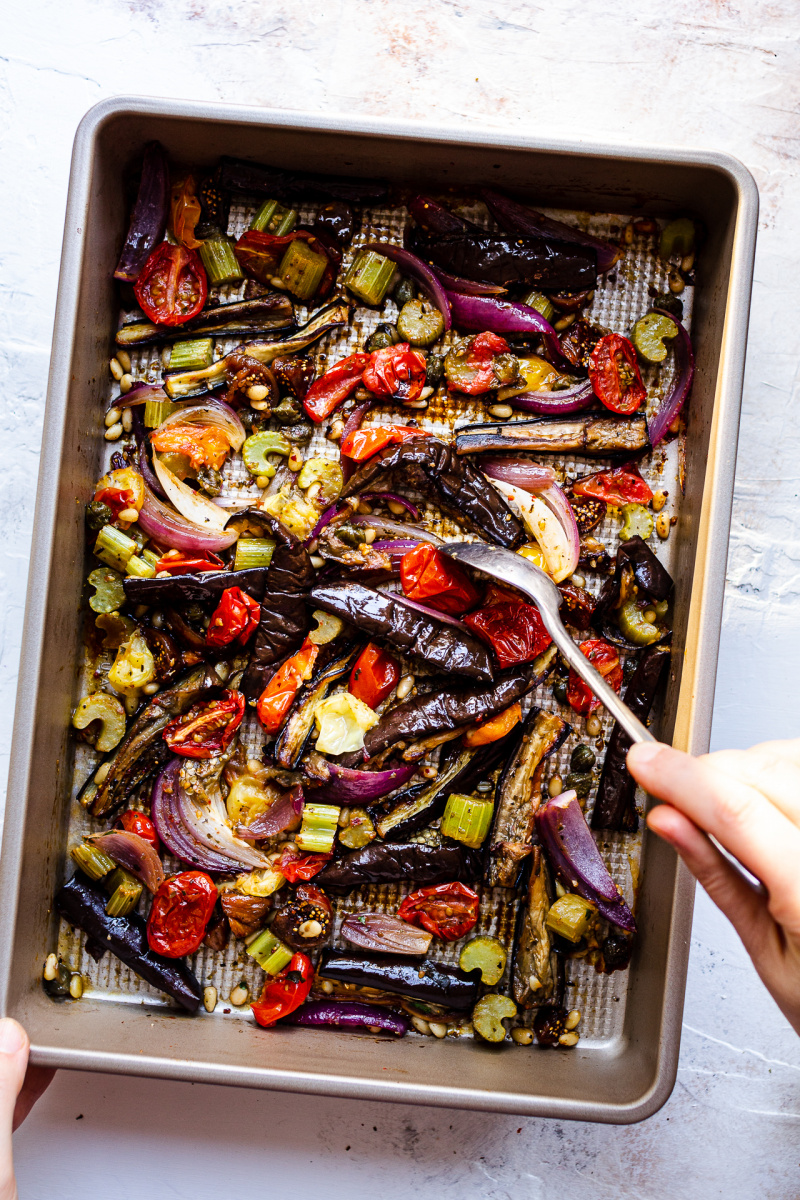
[{"x": 705, "y": 73}]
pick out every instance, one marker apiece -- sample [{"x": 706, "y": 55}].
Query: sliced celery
[
  {"x": 467, "y": 819},
  {"x": 156, "y": 411},
  {"x": 193, "y": 355},
  {"x": 114, "y": 548},
  {"x": 124, "y": 898},
  {"x": 253, "y": 552},
  {"x": 273, "y": 218},
  {"x": 318, "y": 830},
  {"x": 219, "y": 260},
  {"x": 269, "y": 952},
  {"x": 92, "y": 861},
  {"x": 301, "y": 269},
  {"x": 259, "y": 445},
  {"x": 140, "y": 567},
  {"x": 369, "y": 276},
  {"x": 540, "y": 303}
]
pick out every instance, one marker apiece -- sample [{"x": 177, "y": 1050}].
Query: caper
[
  {"x": 560, "y": 690},
  {"x": 404, "y": 291},
  {"x": 669, "y": 303},
  {"x": 98, "y": 515},
  {"x": 582, "y": 758},
  {"x": 582, "y": 784},
  {"x": 287, "y": 412},
  {"x": 420, "y": 323},
  {"x": 434, "y": 372},
  {"x": 210, "y": 481},
  {"x": 58, "y": 986},
  {"x": 350, "y": 535},
  {"x": 300, "y": 433},
  {"x": 383, "y": 336}
]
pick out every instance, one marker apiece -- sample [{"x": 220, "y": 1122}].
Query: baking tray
[{"x": 622, "y": 1076}]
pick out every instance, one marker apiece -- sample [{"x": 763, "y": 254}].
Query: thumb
[{"x": 14, "y": 1047}]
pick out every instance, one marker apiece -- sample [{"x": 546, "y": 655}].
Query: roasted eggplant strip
[
  {"x": 592, "y": 433},
  {"x": 439, "y": 646},
  {"x": 400, "y": 862},
  {"x": 295, "y": 733},
  {"x": 430, "y": 466},
  {"x": 265, "y": 313},
  {"x": 143, "y": 748},
  {"x": 203, "y": 588},
  {"x": 435, "y": 982},
  {"x": 510, "y": 259},
  {"x": 448, "y": 706},
  {"x": 237, "y": 175},
  {"x": 518, "y": 795},
  {"x": 196, "y": 383},
  {"x": 83, "y": 905},
  {"x": 615, "y": 806},
  {"x": 537, "y": 972}
]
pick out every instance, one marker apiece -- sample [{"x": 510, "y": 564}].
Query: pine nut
[
  {"x": 124, "y": 360},
  {"x": 416, "y": 404},
  {"x": 369, "y": 536},
  {"x": 429, "y": 772},
  {"x": 326, "y": 986},
  {"x": 115, "y": 367},
  {"x": 157, "y": 619},
  {"x": 317, "y": 561},
  {"x": 76, "y": 987},
  {"x": 260, "y": 405},
  {"x": 437, "y": 1029},
  {"x": 533, "y": 983},
  {"x": 344, "y": 818},
  {"x": 501, "y": 410},
  {"x": 240, "y": 995},
  {"x": 150, "y": 689},
  {"x": 295, "y": 461},
  {"x": 555, "y": 787},
  {"x": 127, "y": 419},
  {"x": 569, "y": 1039},
  {"x": 336, "y": 430},
  {"x": 309, "y": 929},
  {"x": 364, "y": 509},
  {"x": 404, "y": 686},
  {"x": 141, "y": 610},
  {"x": 394, "y": 506},
  {"x": 126, "y": 383},
  {"x": 114, "y": 433},
  {"x": 112, "y": 416},
  {"x": 687, "y": 263},
  {"x": 50, "y": 968},
  {"x": 101, "y": 774},
  {"x": 593, "y": 725},
  {"x": 564, "y": 322},
  {"x": 361, "y": 393},
  {"x": 209, "y": 998},
  {"x": 573, "y": 1019},
  {"x": 523, "y": 1037},
  {"x": 129, "y": 514},
  {"x": 676, "y": 284},
  {"x": 426, "y": 393},
  {"x": 658, "y": 501},
  {"x": 650, "y": 615},
  {"x": 258, "y": 391},
  {"x": 627, "y": 236},
  {"x": 578, "y": 580},
  {"x": 420, "y": 1025},
  {"x": 662, "y": 526}
]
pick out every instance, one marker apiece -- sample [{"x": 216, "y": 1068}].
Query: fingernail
[
  {"x": 12, "y": 1038},
  {"x": 645, "y": 752}
]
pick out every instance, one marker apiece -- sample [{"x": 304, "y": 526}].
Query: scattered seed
[
  {"x": 116, "y": 369},
  {"x": 437, "y": 1029},
  {"x": 569, "y": 1039},
  {"x": 416, "y": 404},
  {"x": 209, "y": 998},
  {"x": 317, "y": 561},
  {"x": 578, "y": 580},
  {"x": 114, "y": 433},
  {"x": 260, "y": 405},
  {"x": 687, "y": 263},
  {"x": 309, "y": 929},
  {"x": 593, "y": 725},
  {"x": 258, "y": 391},
  {"x": 295, "y": 461},
  {"x": 124, "y": 360},
  {"x": 404, "y": 686},
  {"x": 676, "y": 284},
  {"x": 420, "y": 1025},
  {"x": 364, "y": 509},
  {"x": 326, "y": 986},
  {"x": 50, "y": 967},
  {"x": 650, "y": 615},
  {"x": 564, "y": 322},
  {"x": 556, "y": 786},
  {"x": 336, "y": 430},
  {"x": 76, "y": 987},
  {"x": 533, "y": 983},
  {"x": 150, "y": 689},
  {"x": 112, "y": 416},
  {"x": 344, "y": 818},
  {"x": 126, "y": 383},
  {"x": 429, "y": 772},
  {"x": 240, "y": 995},
  {"x": 426, "y": 393},
  {"x": 501, "y": 410},
  {"x": 573, "y": 1019},
  {"x": 262, "y": 481},
  {"x": 662, "y": 524},
  {"x": 369, "y": 536},
  {"x": 101, "y": 774},
  {"x": 127, "y": 419},
  {"x": 627, "y": 236},
  {"x": 523, "y": 1037},
  {"x": 395, "y": 507},
  {"x": 361, "y": 393},
  {"x": 659, "y": 500}
]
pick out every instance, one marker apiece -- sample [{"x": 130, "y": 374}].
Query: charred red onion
[
  {"x": 386, "y": 935},
  {"x": 674, "y": 401},
  {"x": 479, "y": 313},
  {"x": 133, "y": 853},
  {"x": 469, "y": 287},
  {"x": 573, "y": 399},
  {"x": 519, "y": 471},
  {"x": 375, "y": 521},
  {"x": 169, "y": 528},
  {"x": 277, "y": 819},
  {"x": 559, "y": 505},
  {"x": 346, "y": 786}
]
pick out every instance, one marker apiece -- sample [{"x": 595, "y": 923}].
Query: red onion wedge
[
  {"x": 386, "y": 525},
  {"x": 346, "y": 786},
  {"x": 277, "y": 819},
  {"x": 468, "y": 287},
  {"x": 324, "y": 520},
  {"x": 169, "y": 528},
  {"x": 386, "y": 935},
  {"x": 149, "y": 216},
  {"x": 134, "y": 854},
  {"x": 556, "y": 500},
  {"x": 573, "y": 851},
  {"x": 384, "y": 496},
  {"x": 349, "y": 1014},
  {"x": 516, "y": 218},
  {"x": 520, "y": 471},
  {"x": 397, "y": 548},
  {"x": 479, "y": 313},
  {"x": 420, "y": 271},
  {"x": 672, "y": 403},
  {"x": 557, "y": 403},
  {"x": 140, "y": 393}
]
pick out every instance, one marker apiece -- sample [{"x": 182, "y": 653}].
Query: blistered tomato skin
[
  {"x": 172, "y": 287},
  {"x": 181, "y": 910}
]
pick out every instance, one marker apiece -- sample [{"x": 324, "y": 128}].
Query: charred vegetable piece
[
  {"x": 637, "y": 522},
  {"x": 467, "y": 819},
  {"x": 420, "y": 323},
  {"x": 518, "y": 796},
  {"x": 590, "y": 434},
  {"x": 417, "y": 807},
  {"x": 349, "y": 1014},
  {"x": 510, "y": 259},
  {"x": 488, "y": 954},
  {"x": 269, "y": 952},
  {"x": 84, "y": 906},
  {"x": 569, "y": 917},
  {"x": 261, "y": 315},
  {"x": 336, "y": 220},
  {"x": 204, "y": 588},
  {"x": 450, "y": 707},
  {"x": 385, "y": 934},
  {"x": 300, "y": 722},
  {"x": 537, "y": 972},
  {"x": 237, "y": 175},
  {"x": 246, "y": 914},
  {"x": 650, "y": 335},
  {"x": 305, "y": 922},
  {"x": 318, "y": 830},
  {"x": 549, "y": 1024},
  {"x": 381, "y": 616},
  {"x": 359, "y": 832},
  {"x": 430, "y": 466},
  {"x": 389, "y": 862},
  {"x": 110, "y": 714},
  {"x": 588, "y": 511},
  {"x": 488, "y": 1016},
  {"x": 579, "y": 605},
  {"x": 616, "y": 949},
  {"x": 614, "y": 807},
  {"x": 438, "y": 983},
  {"x": 369, "y": 276}
]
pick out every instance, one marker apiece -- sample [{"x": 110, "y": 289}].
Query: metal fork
[{"x": 521, "y": 574}]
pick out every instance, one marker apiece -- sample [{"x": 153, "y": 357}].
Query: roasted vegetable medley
[{"x": 304, "y": 729}]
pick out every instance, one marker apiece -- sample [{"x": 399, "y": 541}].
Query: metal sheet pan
[{"x": 627, "y": 1071}]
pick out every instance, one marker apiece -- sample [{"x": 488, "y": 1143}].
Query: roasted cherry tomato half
[
  {"x": 294, "y": 866},
  {"x": 623, "y": 485},
  {"x": 374, "y": 675},
  {"x": 429, "y": 577},
  {"x": 615, "y": 376},
  {"x": 363, "y": 443},
  {"x": 235, "y": 619},
  {"x": 181, "y": 910},
  {"x": 207, "y": 728},
  {"x": 495, "y": 728},
  {"x": 172, "y": 287},
  {"x": 178, "y": 563},
  {"x": 478, "y": 364},
  {"x": 447, "y": 910},
  {"x": 203, "y": 446},
  {"x": 327, "y": 393},
  {"x": 137, "y": 822},
  {"x": 276, "y": 699},
  {"x": 511, "y": 627},
  {"x": 284, "y": 992},
  {"x": 605, "y": 658},
  {"x": 396, "y": 371},
  {"x": 120, "y": 489},
  {"x": 184, "y": 212}
]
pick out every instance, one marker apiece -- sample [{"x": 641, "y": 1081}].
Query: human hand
[
  {"x": 750, "y": 801},
  {"x": 19, "y": 1091}
]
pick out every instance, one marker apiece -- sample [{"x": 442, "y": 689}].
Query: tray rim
[{"x": 695, "y": 703}]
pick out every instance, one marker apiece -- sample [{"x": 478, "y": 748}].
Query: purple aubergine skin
[
  {"x": 348, "y": 1014},
  {"x": 149, "y": 216},
  {"x": 573, "y": 852},
  {"x": 515, "y": 218}
]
